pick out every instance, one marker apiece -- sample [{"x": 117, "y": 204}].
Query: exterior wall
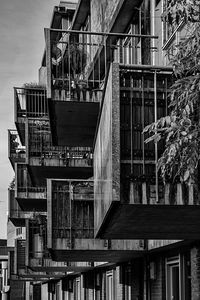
[
  {"x": 107, "y": 150},
  {"x": 43, "y": 76},
  {"x": 157, "y": 286},
  {"x": 158, "y": 31},
  {"x": 195, "y": 273},
  {"x": 102, "y": 13},
  {"x": 153, "y": 244}
]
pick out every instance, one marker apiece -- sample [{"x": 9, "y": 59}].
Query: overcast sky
[{"x": 22, "y": 25}]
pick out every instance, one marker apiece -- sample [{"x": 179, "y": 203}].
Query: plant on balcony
[
  {"x": 35, "y": 85},
  {"x": 73, "y": 65},
  {"x": 180, "y": 128}
]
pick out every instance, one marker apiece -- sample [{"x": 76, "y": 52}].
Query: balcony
[
  {"x": 29, "y": 102},
  {"x": 38, "y": 258},
  {"x": 21, "y": 271},
  {"x": 32, "y": 198},
  {"x": 48, "y": 161},
  {"x": 77, "y": 67},
  {"x": 130, "y": 200},
  {"x": 29, "y": 197},
  {"x": 16, "y": 152},
  {"x": 70, "y": 226},
  {"x": 15, "y": 213}
]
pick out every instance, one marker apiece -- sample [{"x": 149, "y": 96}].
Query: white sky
[{"x": 22, "y": 25}]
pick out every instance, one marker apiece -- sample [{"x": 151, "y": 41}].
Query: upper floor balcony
[
  {"x": 47, "y": 161},
  {"x": 130, "y": 200},
  {"x": 16, "y": 152},
  {"x": 29, "y": 198},
  {"x": 15, "y": 214},
  {"x": 38, "y": 258},
  {"x": 29, "y": 102},
  {"x": 70, "y": 226},
  {"x": 77, "y": 66},
  {"x": 18, "y": 268}
]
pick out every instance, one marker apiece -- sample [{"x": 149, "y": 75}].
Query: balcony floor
[
  {"x": 59, "y": 269},
  {"x": 113, "y": 256},
  {"x": 138, "y": 221},
  {"x": 73, "y": 123}
]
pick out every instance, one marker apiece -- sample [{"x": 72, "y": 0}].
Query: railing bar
[{"x": 104, "y": 33}]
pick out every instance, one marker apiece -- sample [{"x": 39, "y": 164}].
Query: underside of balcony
[
  {"x": 50, "y": 266},
  {"x": 17, "y": 221},
  {"x": 153, "y": 221},
  {"x": 40, "y": 173},
  {"x": 32, "y": 204},
  {"x": 73, "y": 123},
  {"x": 93, "y": 255}
]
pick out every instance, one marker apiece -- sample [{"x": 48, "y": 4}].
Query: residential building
[{"x": 99, "y": 222}]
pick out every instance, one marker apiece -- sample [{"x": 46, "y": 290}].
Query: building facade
[{"x": 99, "y": 223}]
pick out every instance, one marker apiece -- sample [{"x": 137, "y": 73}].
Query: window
[
  {"x": 78, "y": 289},
  {"x": 178, "y": 282},
  {"x": 127, "y": 279},
  {"x": 109, "y": 286}
]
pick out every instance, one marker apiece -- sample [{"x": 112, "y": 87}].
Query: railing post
[
  {"x": 167, "y": 193},
  {"x": 179, "y": 196},
  {"x": 144, "y": 193},
  {"x": 190, "y": 193}
]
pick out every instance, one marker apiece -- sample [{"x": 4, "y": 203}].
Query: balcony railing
[
  {"x": 30, "y": 102},
  {"x": 40, "y": 146},
  {"x": 31, "y": 192},
  {"x": 73, "y": 213},
  {"x": 16, "y": 152},
  {"x": 78, "y": 61}
]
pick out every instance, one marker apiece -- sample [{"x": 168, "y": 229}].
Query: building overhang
[
  {"x": 82, "y": 11},
  {"x": 153, "y": 221}
]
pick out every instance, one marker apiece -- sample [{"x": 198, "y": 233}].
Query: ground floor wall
[{"x": 163, "y": 274}]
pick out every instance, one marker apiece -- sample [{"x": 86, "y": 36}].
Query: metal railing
[
  {"x": 15, "y": 149},
  {"x": 27, "y": 190},
  {"x": 40, "y": 145},
  {"x": 30, "y": 102},
  {"x": 78, "y": 61}
]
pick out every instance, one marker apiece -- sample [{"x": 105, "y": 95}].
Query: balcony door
[{"x": 178, "y": 274}]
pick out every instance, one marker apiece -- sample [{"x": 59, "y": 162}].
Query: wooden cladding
[
  {"x": 73, "y": 209},
  {"x": 142, "y": 94},
  {"x": 169, "y": 194}
]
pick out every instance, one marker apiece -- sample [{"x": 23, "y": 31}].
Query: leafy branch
[{"x": 181, "y": 128}]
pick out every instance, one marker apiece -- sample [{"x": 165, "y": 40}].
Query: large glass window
[{"x": 178, "y": 283}]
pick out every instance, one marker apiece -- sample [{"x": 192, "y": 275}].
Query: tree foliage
[
  {"x": 181, "y": 128},
  {"x": 177, "y": 10}
]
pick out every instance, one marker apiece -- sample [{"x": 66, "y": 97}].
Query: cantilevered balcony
[
  {"x": 38, "y": 258},
  {"x": 16, "y": 152},
  {"x": 29, "y": 197},
  {"x": 29, "y": 102},
  {"x": 15, "y": 214},
  {"x": 47, "y": 161},
  {"x": 77, "y": 68},
  {"x": 70, "y": 226},
  {"x": 21, "y": 271},
  {"x": 130, "y": 200}
]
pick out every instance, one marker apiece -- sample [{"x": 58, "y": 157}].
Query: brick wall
[
  {"x": 195, "y": 273},
  {"x": 157, "y": 286}
]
